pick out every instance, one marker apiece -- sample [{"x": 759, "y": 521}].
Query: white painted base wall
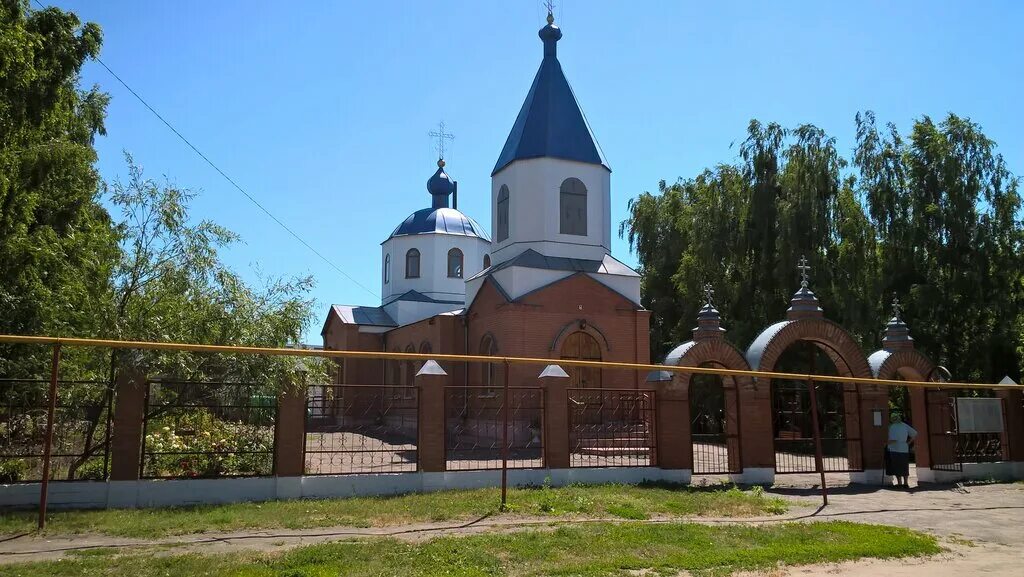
[
  {"x": 755, "y": 476},
  {"x": 868, "y": 477},
  {"x": 1001, "y": 471},
  {"x": 176, "y": 492}
]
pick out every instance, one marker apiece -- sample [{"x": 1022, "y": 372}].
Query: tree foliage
[
  {"x": 934, "y": 218},
  {"x": 145, "y": 269}
]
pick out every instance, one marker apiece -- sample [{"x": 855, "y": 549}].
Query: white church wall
[
  {"x": 534, "y": 209},
  {"x": 433, "y": 280},
  {"x": 627, "y": 286},
  {"x": 518, "y": 281}
]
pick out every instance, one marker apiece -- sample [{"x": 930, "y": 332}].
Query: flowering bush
[{"x": 198, "y": 444}]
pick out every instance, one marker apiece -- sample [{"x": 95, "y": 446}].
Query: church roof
[
  {"x": 357, "y": 315},
  {"x": 551, "y": 122},
  {"x": 533, "y": 259},
  {"x": 440, "y": 221}
]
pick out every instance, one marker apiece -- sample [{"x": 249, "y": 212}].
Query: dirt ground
[{"x": 981, "y": 526}]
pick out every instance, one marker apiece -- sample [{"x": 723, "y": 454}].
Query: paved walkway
[{"x": 981, "y": 525}]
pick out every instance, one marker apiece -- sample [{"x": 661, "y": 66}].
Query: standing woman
[{"x": 897, "y": 463}]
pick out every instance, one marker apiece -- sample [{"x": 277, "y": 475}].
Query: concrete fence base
[{"x": 177, "y": 492}]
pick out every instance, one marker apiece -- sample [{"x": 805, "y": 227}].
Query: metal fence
[
  {"x": 81, "y": 432},
  {"x": 714, "y": 426},
  {"x": 611, "y": 428},
  {"x": 208, "y": 429},
  {"x": 838, "y": 416},
  {"x": 474, "y": 418},
  {"x": 361, "y": 429}
]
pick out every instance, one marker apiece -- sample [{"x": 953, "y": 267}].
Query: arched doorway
[
  {"x": 581, "y": 346},
  {"x": 793, "y": 410},
  {"x": 714, "y": 424},
  {"x": 813, "y": 345}
]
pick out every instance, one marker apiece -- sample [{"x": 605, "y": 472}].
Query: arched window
[
  {"x": 487, "y": 261},
  {"x": 455, "y": 263},
  {"x": 412, "y": 263},
  {"x": 502, "y": 213},
  {"x": 573, "y": 207},
  {"x": 387, "y": 268},
  {"x": 409, "y": 370},
  {"x": 489, "y": 374},
  {"x": 580, "y": 346}
]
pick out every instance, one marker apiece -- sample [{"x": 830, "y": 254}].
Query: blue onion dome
[
  {"x": 440, "y": 221},
  {"x": 550, "y": 34},
  {"x": 440, "y": 185}
]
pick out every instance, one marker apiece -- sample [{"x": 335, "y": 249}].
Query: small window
[
  {"x": 412, "y": 264},
  {"x": 455, "y": 263},
  {"x": 573, "y": 207},
  {"x": 503, "y": 213},
  {"x": 489, "y": 375},
  {"x": 487, "y": 261},
  {"x": 387, "y": 268}
]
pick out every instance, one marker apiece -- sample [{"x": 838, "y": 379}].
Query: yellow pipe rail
[{"x": 229, "y": 349}]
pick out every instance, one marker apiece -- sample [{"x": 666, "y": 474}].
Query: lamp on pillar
[{"x": 431, "y": 368}]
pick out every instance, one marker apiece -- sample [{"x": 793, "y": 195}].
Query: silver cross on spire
[
  {"x": 709, "y": 294},
  {"x": 550, "y": 6},
  {"x": 441, "y": 136},
  {"x": 897, "y": 308},
  {"x": 803, "y": 267}
]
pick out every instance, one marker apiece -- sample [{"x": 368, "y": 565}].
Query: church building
[{"x": 542, "y": 284}]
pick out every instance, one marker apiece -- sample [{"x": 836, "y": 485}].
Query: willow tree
[
  {"x": 743, "y": 227},
  {"x": 947, "y": 214},
  {"x": 57, "y": 244}
]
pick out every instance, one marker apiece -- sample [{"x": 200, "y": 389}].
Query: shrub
[
  {"x": 196, "y": 443},
  {"x": 92, "y": 470},
  {"x": 12, "y": 470}
]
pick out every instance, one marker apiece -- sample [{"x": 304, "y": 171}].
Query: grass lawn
[
  {"x": 583, "y": 550},
  {"x": 623, "y": 501}
]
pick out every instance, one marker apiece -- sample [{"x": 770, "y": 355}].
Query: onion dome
[
  {"x": 440, "y": 186},
  {"x": 804, "y": 303},
  {"x": 709, "y": 321},
  {"x": 897, "y": 333}
]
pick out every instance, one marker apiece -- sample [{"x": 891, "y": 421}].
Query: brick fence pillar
[
  {"x": 290, "y": 434},
  {"x": 431, "y": 422},
  {"x": 556, "y": 421},
  {"x": 672, "y": 425},
  {"x": 1013, "y": 417},
  {"x": 126, "y": 438},
  {"x": 874, "y": 399},
  {"x": 919, "y": 416},
  {"x": 757, "y": 437}
]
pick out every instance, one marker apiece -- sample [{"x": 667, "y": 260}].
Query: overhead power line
[{"x": 226, "y": 177}]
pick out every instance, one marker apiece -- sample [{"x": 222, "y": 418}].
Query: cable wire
[{"x": 226, "y": 177}]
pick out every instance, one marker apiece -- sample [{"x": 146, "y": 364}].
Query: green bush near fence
[{"x": 196, "y": 443}]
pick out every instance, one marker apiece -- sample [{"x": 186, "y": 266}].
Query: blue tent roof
[
  {"x": 551, "y": 122},
  {"x": 441, "y": 221}
]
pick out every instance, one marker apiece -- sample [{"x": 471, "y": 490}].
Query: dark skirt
[{"x": 897, "y": 464}]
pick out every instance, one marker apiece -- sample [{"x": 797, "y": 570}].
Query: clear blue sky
[{"x": 321, "y": 109}]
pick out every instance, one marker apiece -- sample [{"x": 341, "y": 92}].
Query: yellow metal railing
[{"x": 228, "y": 349}]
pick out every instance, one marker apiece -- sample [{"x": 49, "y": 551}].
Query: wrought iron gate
[{"x": 714, "y": 426}]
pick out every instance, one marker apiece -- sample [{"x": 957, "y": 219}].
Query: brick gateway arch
[
  {"x": 737, "y": 442},
  {"x": 858, "y": 426}
]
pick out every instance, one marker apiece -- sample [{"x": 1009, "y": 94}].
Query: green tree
[
  {"x": 947, "y": 212},
  {"x": 57, "y": 244},
  {"x": 934, "y": 217}
]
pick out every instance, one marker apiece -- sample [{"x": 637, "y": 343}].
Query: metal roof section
[
  {"x": 876, "y": 360},
  {"x": 673, "y": 357},
  {"x": 756, "y": 349},
  {"x": 357, "y": 315},
  {"x": 418, "y": 297},
  {"x": 659, "y": 376},
  {"x": 533, "y": 259},
  {"x": 440, "y": 221},
  {"x": 551, "y": 122}
]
